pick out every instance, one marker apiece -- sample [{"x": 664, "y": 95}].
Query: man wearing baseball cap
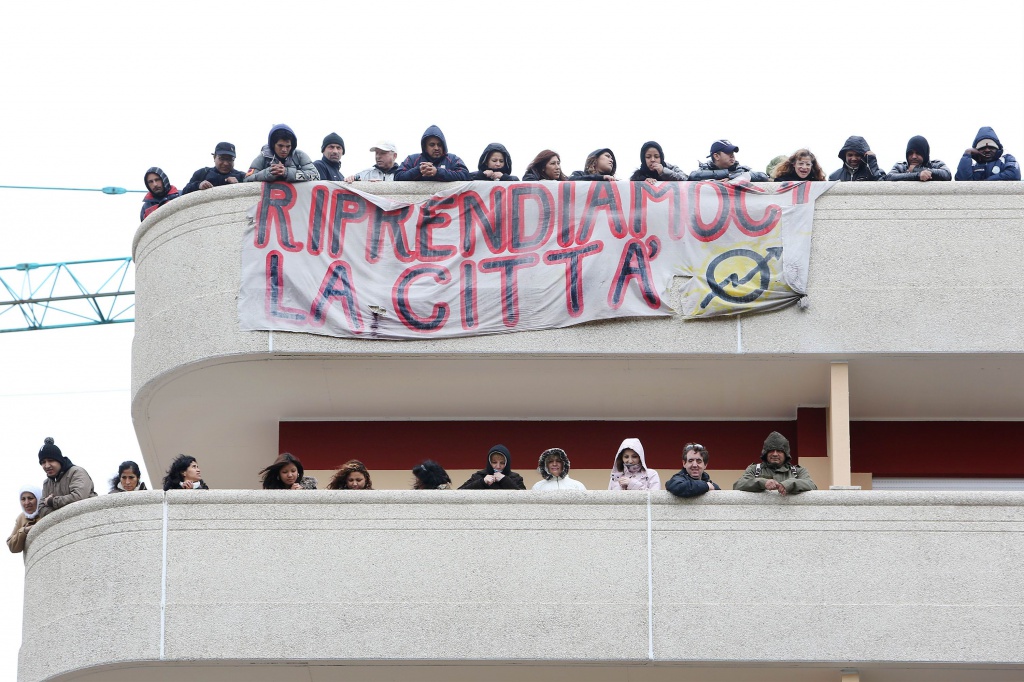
[
  {"x": 385, "y": 154},
  {"x": 724, "y": 166},
  {"x": 222, "y": 173},
  {"x": 984, "y": 160},
  {"x": 333, "y": 148}
]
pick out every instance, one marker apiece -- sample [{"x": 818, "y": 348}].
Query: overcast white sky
[{"x": 95, "y": 93}]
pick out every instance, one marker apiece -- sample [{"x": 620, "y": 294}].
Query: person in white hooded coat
[
  {"x": 629, "y": 470},
  {"x": 553, "y": 465},
  {"x": 29, "y": 497}
]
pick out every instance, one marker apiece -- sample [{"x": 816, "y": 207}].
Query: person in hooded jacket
[
  {"x": 329, "y": 167},
  {"x": 722, "y": 165},
  {"x": 495, "y": 164},
  {"x": 600, "y": 165},
  {"x": 160, "y": 191},
  {"x": 280, "y": 160},
  {"x": 801, "y": 165},
  {"x": 547, "y": 165},
  {"x": 859, "y": 162},
  {"x": 629, "y": 470},
  {"x": 128, "y": 478},
  {"x": 775, "y": 471},
  {"x": 29, "y": 497},
  {"x": 653, "y": 166},
  {"x": 65, "y": 483},
  {"x": 497, "y": 475},
  {"x": 985, "y": 160},
  {"x": 553, "y": 465},
  {"x": 693, "y": 479},
  {"x": 221, "y": 173},
  {"x": 433, "y": 163},
  {"x": 919, "y": 164}
]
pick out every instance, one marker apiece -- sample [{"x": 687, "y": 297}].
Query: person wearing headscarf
[
  {"x": 29, "y": 497},
  {"x": 653, "y": 167},
  {"x": 629, "y": 470},
  {"x": 65, "y": 483},
  {"x": 553, "y": 465},
  {"x": 497, "y": 475}
]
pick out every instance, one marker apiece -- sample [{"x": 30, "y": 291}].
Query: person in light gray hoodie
[{"x": 280, "y": 161}]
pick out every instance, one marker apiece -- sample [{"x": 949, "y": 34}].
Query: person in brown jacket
[
  {"x": 28, "y": 497},
  {"x": 65, "y": 483}
]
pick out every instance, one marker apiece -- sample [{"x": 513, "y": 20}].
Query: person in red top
[{"x": 160, "y": 191}]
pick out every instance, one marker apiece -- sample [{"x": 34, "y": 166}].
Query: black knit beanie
[
  {"x": 333, "y": 138},
  {"x": 51, "y": 451}
]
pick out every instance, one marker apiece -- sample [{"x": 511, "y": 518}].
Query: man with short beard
[
  {"x": 385, "y": 153},
  {"x": 329, "y": 167},
  {"x": 222, "y": 173},
  {"x": 984, "y": 160},
  {"x": 775, "y": 471},
  {"x": 693, "y": 480}
]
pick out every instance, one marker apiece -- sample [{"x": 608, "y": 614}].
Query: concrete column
[{"x": 839, "y": 425}]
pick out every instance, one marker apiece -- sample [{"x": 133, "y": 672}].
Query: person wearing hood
[
  {"x": 184, "y": 474},
  {"x": 497, "y": 475},
  {"x": 430, "y": 476},
  {"x": 629, "y": 470},
  {"x": 329, "y": 167},
  {"x": 29, "y": 497},
  {"x": 600, "y": 165},
  {"x": 553, "y": 465},
  {"x": 985, "y": 160},
  {"x": 547, "y": 165},
  {"x": 280, "y": 160},
  {"x": 801, "y": 165},
  {"x": 65, "y": 483},
  {"x": 495, "y": 164},
  {"x": 160, "y": 191},
  {"x": 722, "y": 165},
  {"x": 919, "y": 165},
  {"x": 433, "y": 163},
  {"x": 128, "y": 479},
  {"x": 385, "y": 154},
  {"x": 653, "y": 166},
  {"x": 222, "y": 173},
  {"x": 859, "y": 162},
  {"x": 693, "y": 480},
  {"x": 775, "y": 471}
]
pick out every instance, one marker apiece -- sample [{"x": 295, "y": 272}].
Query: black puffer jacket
[
  {"x": 510, "y": 481},
  {"x": 868, "y": 168},
  {"x": 669, "y": 172}
]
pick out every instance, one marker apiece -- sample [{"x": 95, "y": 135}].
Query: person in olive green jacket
[{"x": 775, "y": 471}]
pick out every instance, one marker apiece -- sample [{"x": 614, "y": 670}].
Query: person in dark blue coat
[
  {"x": 495, "y": 164},
  {"x": 222, "y": 173},
  {"x": 329, "y": 167},
  {"x": 433, "y": 163},
  {"x": 693, "y": 480},
  {"x": 985, "y": 160}
]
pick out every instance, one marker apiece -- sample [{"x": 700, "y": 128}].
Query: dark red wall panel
[{"x": 938, "y": 449}]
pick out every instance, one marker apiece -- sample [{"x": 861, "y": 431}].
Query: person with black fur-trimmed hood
[
  {"x": 329, "y": 167},
  {"x": 430, "y": 476},
  {"x": 775, "y": 471},
  {"x": 65, "y": 483},
  {"x": 495, "y": 164},
  {"x": 919, "y": 164},
  {"x": 722, "y": 165},
  {"x": 985, "y": 160},
  {"x": 280, "y": 160},
  {"x": 497, "y": 475},
  {"x": 859, "y": 162},
  {"x": 553, "y": 465},
  {"x": 653, "y": 166},
  {"x": 693, "y": 480},
  {"x": 160, "y": 191},
  {"x": 629, "y": 469},
  {"x": 600, "y": 165}
]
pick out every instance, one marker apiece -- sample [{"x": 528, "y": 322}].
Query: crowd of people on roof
[
  {"x": 280, "y": 160},
  {"x": 66, "y": 483}
]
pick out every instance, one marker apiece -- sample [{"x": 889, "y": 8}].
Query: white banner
[{"x": 486, "y": 258}]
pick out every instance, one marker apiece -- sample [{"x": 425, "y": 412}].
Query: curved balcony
[{"x": 324, "y": 585}]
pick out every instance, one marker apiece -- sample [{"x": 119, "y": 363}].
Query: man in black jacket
[
  {"x": 222, "y": 173},
  {"x": 333, "y": 148},
  {"x": 724, "y": 166},
  {"x": 859, "y": 162},
  {"x": 693, "y": 480}
]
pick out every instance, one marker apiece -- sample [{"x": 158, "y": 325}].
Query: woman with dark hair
[
  {"x": 547, "y": 165},
  {"x": 495, "y": 164},
  {"x": 600, "y": 165},
  {"x": 128, "y": 478},
  {"x": 801, "y": 165},
  {"x": 184, "y": 474},
  {"x": 653, "y": 166},
  {"x": 286, "y": 473},
  {"x": 431, "y": 476},
  {"x": 351, "y": 476}
]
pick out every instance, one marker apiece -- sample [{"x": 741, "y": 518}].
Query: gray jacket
[
  {"x": 298, "y": 166},
  {"x": 373, "y": 173},
  {"x": 938, "y": 169}
]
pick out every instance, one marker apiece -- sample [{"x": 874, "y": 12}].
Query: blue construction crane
[{"x": 71, "y": 294}]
